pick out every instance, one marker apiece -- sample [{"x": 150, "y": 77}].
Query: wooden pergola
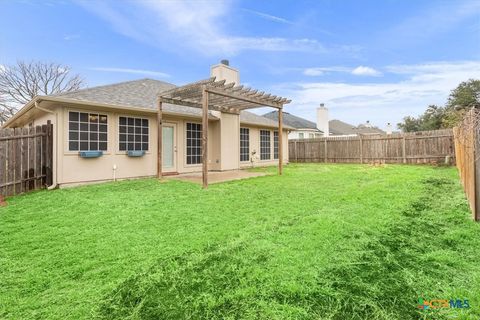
[{"x": 220, "y": 96}]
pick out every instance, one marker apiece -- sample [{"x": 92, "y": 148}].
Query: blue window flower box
[
  {"x": 90, "y": 154},
  {"x": 136, "y": 153}
]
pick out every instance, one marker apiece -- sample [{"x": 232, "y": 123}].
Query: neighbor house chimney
[
  {"x": 322, "y": 120},
  {"x": 389, "y": 128},
  {"x": 223, "y": 71}
]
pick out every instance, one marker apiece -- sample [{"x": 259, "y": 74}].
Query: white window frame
[
  {"x": 88, "y": 112},
  {"x": 269, "y": 144},
  {"x": 118, "y": 132},
  {"x": 186, "y": 144},
  {"x": 248, "y": 144}
]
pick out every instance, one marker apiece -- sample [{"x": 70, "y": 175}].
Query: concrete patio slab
[{"x": 217, "y": 176}]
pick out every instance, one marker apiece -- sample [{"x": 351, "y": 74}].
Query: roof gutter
[{"x": 37, "y": 106}]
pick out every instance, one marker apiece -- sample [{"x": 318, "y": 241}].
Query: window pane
[
  {"x": 73, "y": 116},
  {"x": 86, "y": 131},
  {"x": 122, "y": 146},
  {"x": 138, "y": 122},
  {"x": 102, "y": 128},
  {"x": 73, "y": 126},
  {"x": 194, "y": 143},
  {"x": 121, "y": 137},
  {"x": 73, "y": 136},
  {"x": 102, "y": 146},
  {"x": 122, "y": 129},
  {"x": 84, "y": 117},
  {"x": 123, "y": 120},
  {"x": 145, "y": 146},
  {"x": 145, "y": 122},
  {"x": 73, "y": 145},
  {"x": 93, "y": 118}
]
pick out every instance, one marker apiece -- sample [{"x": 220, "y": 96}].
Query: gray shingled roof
[
  {"x": 338, "y": 127},
  {"x": 292, "y": 121},
  {"x": 143, "y": 94}
]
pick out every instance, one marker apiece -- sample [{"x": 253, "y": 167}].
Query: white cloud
[
  {"x": 2, "y": 68},
  {"x": 133, "y": 71},
  {"x": 366, "y": 71},
  {"x": 269, "y": 16},
  {"x": 358, "y": 71},
  {"x": 69, "y": 37},
  {"x": 421, "y": 85},
  {"x": 196, "y": 25}
]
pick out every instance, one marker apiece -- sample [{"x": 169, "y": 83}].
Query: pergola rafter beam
[{"x": 221, "y": 96}]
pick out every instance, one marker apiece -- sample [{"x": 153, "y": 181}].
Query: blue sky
[{"x": 366, "y": 60}]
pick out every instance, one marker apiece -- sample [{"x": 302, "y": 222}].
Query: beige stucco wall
[
  {"x": 255, "y": 146},
  {"x": 223, "y": 152}
]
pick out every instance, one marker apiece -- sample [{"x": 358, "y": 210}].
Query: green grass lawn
[{"x": 320, "y": 242}]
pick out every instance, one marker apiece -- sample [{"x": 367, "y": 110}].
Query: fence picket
[
  {"x": 25, "y": 159},
  {"x": 419, "y": 147}
]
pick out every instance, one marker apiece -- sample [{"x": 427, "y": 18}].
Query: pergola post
[
  {"x": 160, "y": 139},
  {"x": 205, "y": 137},
  {"x": 280, "y": 141}
]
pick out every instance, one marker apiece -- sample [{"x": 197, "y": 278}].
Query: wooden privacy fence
[
  {"x": 435, "y": 146},
  {"x": 467, "y": 152},
  {"x": 25, "y": 159}
]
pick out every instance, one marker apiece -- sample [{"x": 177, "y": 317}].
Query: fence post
[
  {"x": 404, "y": 150},
  {"x": 476, "y": 167},
  {"x": 361, "y": 148},
  {"x": 326, "y": 150}
]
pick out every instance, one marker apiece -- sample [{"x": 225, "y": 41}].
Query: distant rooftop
[{"x": 336, "y": 127}]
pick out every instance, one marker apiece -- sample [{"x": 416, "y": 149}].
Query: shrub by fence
[
  {"x": 467, "y": 142},
  {"x": 25, "y": 159},
  {"x": 417, "y": 147}
]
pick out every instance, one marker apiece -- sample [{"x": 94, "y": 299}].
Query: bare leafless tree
[{"x": 20, "y": 83}]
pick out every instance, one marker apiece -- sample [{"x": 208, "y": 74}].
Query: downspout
[{"x": 54, "y": 184}]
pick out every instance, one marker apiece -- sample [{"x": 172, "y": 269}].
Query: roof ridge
[{"x": 109, "y": 85}]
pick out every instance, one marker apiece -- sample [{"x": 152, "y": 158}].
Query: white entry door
[{"x": 169, "y": 148}]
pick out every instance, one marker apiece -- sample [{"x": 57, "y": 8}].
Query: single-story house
[
  {"x": 306, "y": 129},
  {"x": 110, "y": 132}
]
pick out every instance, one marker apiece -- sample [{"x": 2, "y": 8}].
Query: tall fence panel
[
  {"x": 419, "y": 147},
  {"x": 25, "y": 159},
  {"x": 467, "y": 141}
]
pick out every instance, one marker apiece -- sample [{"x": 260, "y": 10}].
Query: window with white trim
[
  {"x": 300, "y": 135},
  {"x": 87, "y": 131},
  {"x": 275, "y": 144},
  {"x": 194, "y": 143},
  {"x": 244, "y": 144},
  {"x": 265, "y": 145},
  {"x": 132, "y": 134}
]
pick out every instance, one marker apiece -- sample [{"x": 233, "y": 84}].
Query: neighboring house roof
[
  {"x": 143, "y": 94},
  {"x": 293, "y": 121},
  {"x": 338, "y": 127}
]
